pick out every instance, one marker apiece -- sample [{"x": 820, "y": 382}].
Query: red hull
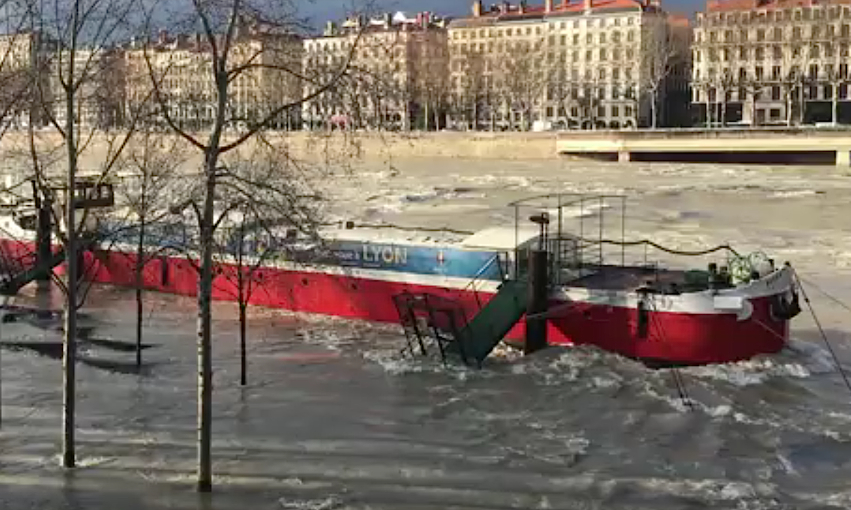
[{"x": 675, "y": 337}]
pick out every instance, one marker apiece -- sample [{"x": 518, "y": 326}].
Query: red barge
[{"x": 728, "y": 312}]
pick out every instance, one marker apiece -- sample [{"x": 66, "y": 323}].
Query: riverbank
[{"x": 753, "y": 146}]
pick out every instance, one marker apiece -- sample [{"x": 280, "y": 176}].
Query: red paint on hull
[{"x": 687, "y": 338}]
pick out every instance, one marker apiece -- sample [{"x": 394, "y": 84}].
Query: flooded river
[{"x": 335, "y": 417}]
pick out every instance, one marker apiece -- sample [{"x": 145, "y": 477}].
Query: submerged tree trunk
[
  {"x": 69, "y": 347},
  {"x": 140, "y": 267},
  {"x": 205, "y": 291},
  {"x": 243, "y": 321}
]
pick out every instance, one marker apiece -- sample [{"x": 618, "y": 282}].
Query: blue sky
[{"x": 321, "y": 10}]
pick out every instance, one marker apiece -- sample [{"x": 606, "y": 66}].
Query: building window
[
  {"x": 775, "y": 93},
  {"x": 777, "y": 52},
  {"x": 630, "y": 36},
  {"x": 603, "y": 54},
  {"x": 615, "y": 111},
  {"x": 575, "y": 38},
  {"x": 743, "y": 53},
  {"x": 588, "y": 55},
  {"x": 775, "y": 73},
  {"x": 760, "y": 53},
  {"x": 760, "y": 34},
  {"x": 774, "y": 114},
  {"x": 616, "y": 73},
  {"x": 758, "y": 71},
  {"x": 601, "y": 111},
  {"x": 589, "y": 39},
  {"x": 627, "y": 110}
]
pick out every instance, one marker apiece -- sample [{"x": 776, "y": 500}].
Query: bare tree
[
  {"x": 150, "y": 171},
  {"x": 256, "y": 225},
  {"x": 228, "y": 53},
  {"x": 658, "y": 53},
  {"x": 77, "y": 38}
]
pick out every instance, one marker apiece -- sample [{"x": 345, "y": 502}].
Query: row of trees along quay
[
  {"x": 802, "y": 63},
  {"x": 224, "y": 181},
  {"x": 535, "y": 78}
]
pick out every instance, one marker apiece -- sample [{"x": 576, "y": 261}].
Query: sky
[{"x": 320, "y": 11}]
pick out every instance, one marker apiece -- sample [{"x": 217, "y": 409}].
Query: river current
[{"x": 334, "y": 416}]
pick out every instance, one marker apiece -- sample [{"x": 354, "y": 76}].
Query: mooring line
[{"x": 821, "y": 331}]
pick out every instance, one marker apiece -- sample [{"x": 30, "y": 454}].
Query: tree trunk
[
  {"x": 243, "y": 321},
  {"x": 835, "y": 103},
  {"x": 140, "y": 267},
  {"x": 205, "y": 291},
  {"x": 69, "y": 345},
  {"x": 654, "y": 98},
  {"x": 425, "y": 117},
  {"x": 789, "y": 107}
]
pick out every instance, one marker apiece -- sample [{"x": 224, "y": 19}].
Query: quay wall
[{"x": 697, "y": 145}]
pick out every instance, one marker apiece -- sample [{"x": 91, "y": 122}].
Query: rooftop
[{"x": 765, "y": 5}]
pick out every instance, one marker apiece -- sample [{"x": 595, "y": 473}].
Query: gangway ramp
[{"x": 490, "y": 325}]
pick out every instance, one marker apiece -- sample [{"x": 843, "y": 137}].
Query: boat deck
[{"x": 666, "y": 281}]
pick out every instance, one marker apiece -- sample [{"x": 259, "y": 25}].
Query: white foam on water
[
  {"x": 795, "y": 193},
  {"x": 327, "y": 503},
  {"x": 750, "y": 372}
]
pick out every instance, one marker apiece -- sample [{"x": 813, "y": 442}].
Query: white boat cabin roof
[{"x": 493, "y": 238}]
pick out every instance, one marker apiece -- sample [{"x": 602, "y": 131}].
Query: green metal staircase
[{"x": 490, "y": 325}]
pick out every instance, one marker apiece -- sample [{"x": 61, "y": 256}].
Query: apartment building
[
  {"x": 759, "y": 62},
  {"x": 24, "y": 76},
  {"x": 583, "y": 64},
  {"x": 268, "y": 61},
  {"x": 395, "y": 73},
  {"x": 99, "y": 83}
]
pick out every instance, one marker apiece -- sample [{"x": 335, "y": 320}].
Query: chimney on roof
[
  {"x": 548, "y": 6},
  {"x": 587, "y": 4},
  {"x": 387, "y": 20},
  {"x": 522, "y": 7},
  {"x": 504, "y": 7},
  {"x": 477, "y": 8},
  {"x": 162, "y": 36}
]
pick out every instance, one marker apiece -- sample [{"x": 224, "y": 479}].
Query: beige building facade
[
  {"x": 266, "y": 83},
  {"x": 25, "y": 59},
  {"x": 99, "y": 80},
  {"x": 396, "y": 78},
  {"x": 583, "y": 64},
  {"x": 772, "y": 63}
]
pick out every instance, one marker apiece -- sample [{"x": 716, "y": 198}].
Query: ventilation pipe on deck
[{"x": 536, "y": 328}]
